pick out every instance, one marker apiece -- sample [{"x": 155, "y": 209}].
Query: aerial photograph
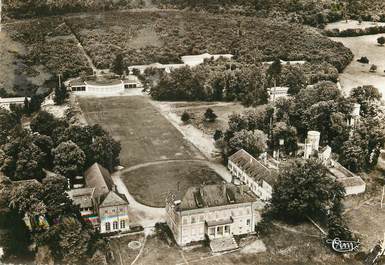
[{"x": 192, "y": 132}]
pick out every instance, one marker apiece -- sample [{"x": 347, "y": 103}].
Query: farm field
[
  {"x": 145, "y": 135},
  {"x": 164, "y": 36},
  {"x": 150, "y": 184},
  {"x": 357, "y": 74}
]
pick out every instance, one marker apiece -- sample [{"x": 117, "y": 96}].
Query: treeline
[
  {"x": 224, "y": 80},
  {"x": 355, "y": 32},
  {"x": 52, "y": 144},
  {"x": 38, "y": 8}
]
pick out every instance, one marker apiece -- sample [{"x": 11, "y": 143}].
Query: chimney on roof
[
  {"x": 114, "y": 189},
  {"x": 241, "y": 189},
  {"x": 224, "y": 188}
]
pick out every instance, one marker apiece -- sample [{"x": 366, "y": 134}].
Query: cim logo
[{"x": 342, "y": 246}]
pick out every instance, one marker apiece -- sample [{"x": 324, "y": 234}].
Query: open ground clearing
[
  {"x": 357, "y": 74},
  {"x": 155, "y": 154},
  {"x": 197, "y": 110},
  {"x": 364, "y": 214},
  {"x": 291, "y": 245},
  {"x": 145, "y": 135},
  {"x": 352, "y": 24},
  {"x": 150, "y": 185}
]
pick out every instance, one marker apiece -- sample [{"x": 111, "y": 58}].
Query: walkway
[{"x": 140, "y": 214}]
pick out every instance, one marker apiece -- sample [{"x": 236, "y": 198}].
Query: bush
[
  {"x": 363, "y": 59},
  {"x": 185, "y": 117}
]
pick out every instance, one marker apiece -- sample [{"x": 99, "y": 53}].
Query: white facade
[
  {"x": 7, "y": 102},
  {"x": 262, "y": 189}
]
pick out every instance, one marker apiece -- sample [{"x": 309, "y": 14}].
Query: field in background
[
  {"x": 145, "y": 135},
  {"x": 357, "y": 74}
]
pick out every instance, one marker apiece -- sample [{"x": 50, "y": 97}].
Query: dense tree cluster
[
  {"x": 54, "y": 145},
  {"x": 303, "y": 190},
  {"x": 214, "y": 81},
  {"x": 64, "y": 233}
]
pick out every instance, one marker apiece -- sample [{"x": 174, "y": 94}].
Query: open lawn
[
  {"x": 222, "y": 110},
  {"x": 145, "y": 135},
  {"x": 150, "y": 184},
  {"x": 286, "y": 245},
  {"x": 357, "y": 74}
]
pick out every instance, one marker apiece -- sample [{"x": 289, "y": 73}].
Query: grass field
[
  {"x": 197, "y": 110},
  {"x": 291, "y": 245},
  {"x": 357, "y": 74},
  {"x": 145, "y": 135},
  {"x": 149, "y": 185}
]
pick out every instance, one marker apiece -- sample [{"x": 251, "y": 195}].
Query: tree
[
  {"x": 274, "y": 71},
  {"x": 106, "y": 151},
  {"x": 365, "y": 95},
  {"x": 288, "y": 134},
  {"x": 354, "y": 153},
  {"x": 61, "y": 94},
  {"x": 305, "y": 189},
  {"x": 373, "y": 68},
  {"x": 338, "y": 229},
  {"x": 254, "y": 142},
  {"x": 295, "y": 80},
  {"x": 381, "y": 40},
  {"x": 44, "y": 123},
  {"x": 68, "y": 159},
  {"x": 210, "y": 116},
  {"x": 8, "y": 121},
  {"x": 118, "y": 65},
  {"x": 185, "y": 117},
  {"x": 218, "y": 134}
]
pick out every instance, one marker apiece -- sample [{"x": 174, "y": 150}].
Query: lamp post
[{"x": 281, "y": 143}]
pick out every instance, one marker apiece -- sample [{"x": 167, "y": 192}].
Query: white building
[
  {"x": 277, "y": 92},
  {"x": 7, "y": 102},
  {"x": 100, "y": 203},
  {"x": 103, "y": 85},
  {"x": 352, "y": 183},
  {"x": 216, "y": 212},
  {"x": 188, "y": 60},
  {"x": 258, "y": 175}
]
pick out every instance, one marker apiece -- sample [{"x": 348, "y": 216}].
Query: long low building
[
  {"x": 258, "y": 175},
  {"x": 101, "y": 85},
  {"x": 188, "y": 60},
  {"x": 216, "y": 212},
  {"x": 7, "y": 102}
]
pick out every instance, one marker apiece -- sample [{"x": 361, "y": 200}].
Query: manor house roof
[
  {"x": 99, "y": 178},
  {"x": 254, "y": 168},
  {"x": 207, "y": 196}
]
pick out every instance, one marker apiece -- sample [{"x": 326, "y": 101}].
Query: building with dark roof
[
  {"x": 110, "y": 207},
  {"x": 214, "y": 211},
  {"x": 258, "y": 174}
]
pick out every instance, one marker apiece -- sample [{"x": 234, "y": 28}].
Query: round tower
[{"x": 313, "y": 138}]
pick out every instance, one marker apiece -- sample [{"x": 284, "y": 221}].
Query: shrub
[
  {"x": 185, "y": 117},
  {"x": 363, "y": 59}
]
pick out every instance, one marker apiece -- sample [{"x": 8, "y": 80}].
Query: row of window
[
  {"x": 218, "y": 215},
  {"x": 106, "y": 211},
  {"x": 130, "y": 86},
  {"x": 80, "y": 88},
  {"x": 115, "y": 225}
]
